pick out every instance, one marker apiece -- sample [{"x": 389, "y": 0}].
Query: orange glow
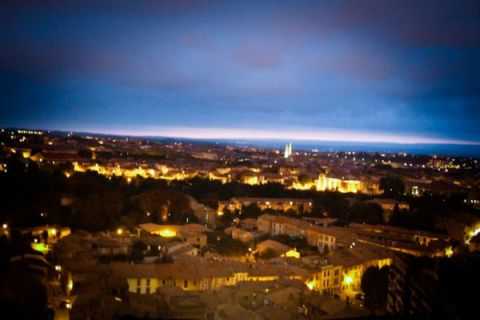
[
  {"x": 310, "y": 284},
  {"x": 167, "y": 233},
  {"x": 347, "y": 280},
  {"x": 293, "y": 254},
  {"x": 448, "y": 252}
]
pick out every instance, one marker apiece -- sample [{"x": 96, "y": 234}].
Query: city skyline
[
  {"x": 302, "y": 70},
  {"x": 239, "y": 159}
]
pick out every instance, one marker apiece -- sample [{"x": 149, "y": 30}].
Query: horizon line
[{"x": 332, "y": 135}]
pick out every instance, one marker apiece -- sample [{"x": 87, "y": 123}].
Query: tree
[
  {"x": 370, "y": 213},
  {"x": 375, "y": 287},
  {"x": 269, "y": 253},
  {"x": 138, "y": 250},
  {"x": 392, "y": 186},
  {"x": 251, "y": 211},
  {"x": 305, "y": 179}
]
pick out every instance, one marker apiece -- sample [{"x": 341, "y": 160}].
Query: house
[
  {"x": 343, "y": 269},
  {"x": 190, "y": 273},
  {"x": 194, "y": 234},
  {"x": 110, "y": 247},
  {"x": 329, "y": 238}
]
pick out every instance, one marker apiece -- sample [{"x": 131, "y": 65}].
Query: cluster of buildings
[
  {"x": 176, "y": 259},
  {"x": 333, "y": 263},
  {"x": 295, "y": 205},
  {"x": 345, "y": 172},
  {"x": 412, "y": 242},
  {"x": 199, "y": 274}
]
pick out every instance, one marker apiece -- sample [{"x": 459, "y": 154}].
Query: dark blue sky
[{"x": 370, "y": 70}]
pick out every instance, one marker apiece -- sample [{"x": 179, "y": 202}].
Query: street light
[{"x": 347, "y": 280}]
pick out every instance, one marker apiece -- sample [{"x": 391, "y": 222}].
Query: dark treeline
[{"x": 33, "y": 196}]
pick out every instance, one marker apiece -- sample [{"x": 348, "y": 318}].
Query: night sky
[{"x": 369, "y": 70}]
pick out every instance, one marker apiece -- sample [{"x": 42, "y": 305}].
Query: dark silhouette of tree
[
  {"x": 268, "y": 254},
  {"x": 138, "y": 250},
  {"x": 392, "y": 186},
  {"x": 251, "y": 211},
  {"x": 362, "y": 212},
  {"x": 375, "y": 287}
]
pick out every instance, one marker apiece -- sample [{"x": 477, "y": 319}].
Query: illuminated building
[
  {"x": 288, "y": 151},
  {"x": 26, "y": 154},
  {"x": 251, "y": 179},
  {"x": 280, "y": 204},
  {"x": 322, "y": 238},
  {"x": 344, "y": 270},
  {"x": 53, "y": 233},
  {"x": 329, "y": 238},
  {"x": 325, "y": 183},
  {"x": 199, "y": 274},
  {"x": 191, "y": 233}
]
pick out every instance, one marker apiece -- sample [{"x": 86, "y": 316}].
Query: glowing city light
[
  {"x": 310, "y": 284},
  {"x": 40, "y": 247},
  {"x": 293, "y": 254},
  {"x": 471, "y": 232},
  {"x": 167, "y": 233},
  {"x": 448, "y": 251},
  {"x": 347, "y": 280}
]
